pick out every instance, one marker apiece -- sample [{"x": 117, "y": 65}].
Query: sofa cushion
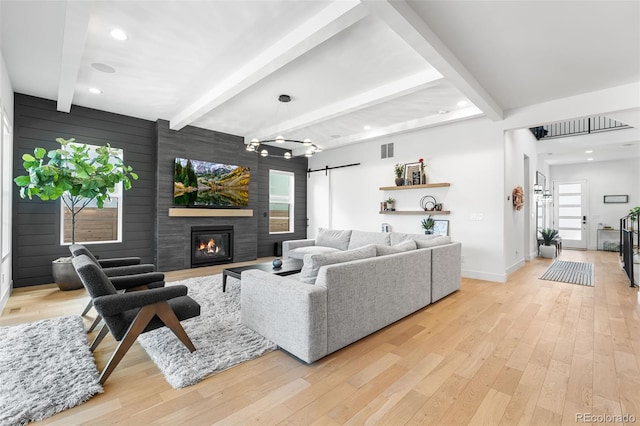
[
  {"x": 333, "y": 238},
  {"x": 399, "y": 237},
  {"x": 313, "y": 262},
  {"x": 433, "y": 242},
  {"x": 363, "y": 238},
  {"x": 300, "y": 252},
  {"x": 382, "y": 250}
]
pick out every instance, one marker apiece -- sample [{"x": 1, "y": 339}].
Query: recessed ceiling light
[
  {"x": 589, "y": 159},
  {"x": 118, "y": 34},
  {"x": 103, "y": 67},
  {"x": 367, "y": 127},
  {"x": 588, "y": 151},
  {"x": 462, "y": 103},
  {"x": 95, "y": 90}
]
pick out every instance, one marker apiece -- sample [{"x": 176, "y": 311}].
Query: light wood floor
[{"x": 525, "y": 352}]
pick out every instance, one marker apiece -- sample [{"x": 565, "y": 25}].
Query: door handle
[{"x": 584, "y": 220}]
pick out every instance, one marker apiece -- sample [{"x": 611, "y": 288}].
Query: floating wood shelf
[
  {"x": 434, "y": 212},
  {"x": 188, "y": 212},
  {"x": 426, "y": 185}
]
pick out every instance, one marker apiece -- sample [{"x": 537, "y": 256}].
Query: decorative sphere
[{"x": 277, "y": 263}]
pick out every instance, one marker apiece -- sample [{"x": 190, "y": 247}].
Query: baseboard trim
[
  {"x": 479, "y": 275},
  {"x": 519, "y": 264}
]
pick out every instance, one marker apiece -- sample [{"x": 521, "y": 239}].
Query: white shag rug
[
  {"x": 220, "y": 339},
  {"x": 45, "y": 367}
]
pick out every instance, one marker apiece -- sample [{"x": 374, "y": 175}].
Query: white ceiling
[{"x": 393, "y": 66}]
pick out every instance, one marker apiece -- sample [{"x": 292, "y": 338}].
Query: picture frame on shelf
[
  {"x": 440, "y": 227},
  {"x": 412, "y": 173}
]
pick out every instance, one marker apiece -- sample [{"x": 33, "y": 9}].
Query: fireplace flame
[{"x": 209, "y": 247}]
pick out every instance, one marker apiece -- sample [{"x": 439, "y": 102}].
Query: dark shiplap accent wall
[
  {"x": 174, "y": 233},
  {"x": 36, "y": 229},
  {"x": 299, "y": 166}
]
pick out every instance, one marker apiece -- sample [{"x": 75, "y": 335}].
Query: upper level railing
[{"x": 580, "y": 126}]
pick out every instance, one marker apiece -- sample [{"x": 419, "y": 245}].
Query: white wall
[
  {"x": 6, "y": 153},
  {"x": 604, "y": 178},
  {"x": 520, "y": 231},
  {"x": 468, "y": 154}
]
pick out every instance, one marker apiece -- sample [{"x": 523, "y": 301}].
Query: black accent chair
[
  {"x": 127, "y": 315},
  {"x": 119, "y": 271}
]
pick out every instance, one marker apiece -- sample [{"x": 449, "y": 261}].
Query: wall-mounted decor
[
  {"x": 518, "y": 197},
  {"x": 616, "y": 199},
  {"x": 441, "y": 227},
  {"x": 413, "y": 173}
]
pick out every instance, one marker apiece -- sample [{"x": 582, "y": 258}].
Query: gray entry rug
[
  {"x": 45, "y": 367},
  {"x": 220, "y": 339},
  {"x": 569, "y": 272}
]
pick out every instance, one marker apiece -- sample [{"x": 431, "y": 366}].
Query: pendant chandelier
[{"x": 254, "y": 145}]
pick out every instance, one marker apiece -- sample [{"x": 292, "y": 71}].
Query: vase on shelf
[
  {"x": 424, "y": 178},
  {"x": 399, "y": 181}
]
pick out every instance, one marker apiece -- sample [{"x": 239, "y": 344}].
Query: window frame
[
  {"x": 289, "y": 199},
  {"x": 117, "y": 194}
]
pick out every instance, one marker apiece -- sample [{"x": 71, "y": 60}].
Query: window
[
  {"x": 281, "y": 205},
  {"x": 5, "y": 167},
  {"x": 92, "y": 223}
]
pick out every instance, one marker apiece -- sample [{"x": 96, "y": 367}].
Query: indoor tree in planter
[
  {"x": 547, "y": 250},
  {"x": 73, "y": 170}
]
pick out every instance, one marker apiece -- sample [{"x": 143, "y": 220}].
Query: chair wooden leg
[
  {"x": 137, "y": 326},
  {"x": 103, "y": 332},
  {"x": 166, "y": 314},
  {"x": 95, "y": 323},
  {"x": 89, "y": 306}
]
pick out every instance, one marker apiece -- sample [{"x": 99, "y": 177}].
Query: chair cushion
[
  {"x": 433, "y": 242},
  {"x": 363, "y": 238},
  {"x": 300, "y": 252},
  {"x": 382, "y": 250},
  {"x": 313, "y": 262},
  {"x": 333, "y": 238}
]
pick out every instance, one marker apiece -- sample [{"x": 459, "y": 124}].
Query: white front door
[{"x": 571, "y": 213}]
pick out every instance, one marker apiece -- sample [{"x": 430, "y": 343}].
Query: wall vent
[{"x": 386, "y": 150}]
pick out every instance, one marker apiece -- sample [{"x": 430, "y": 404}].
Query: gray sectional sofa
[{"x": 343, "y": 295}]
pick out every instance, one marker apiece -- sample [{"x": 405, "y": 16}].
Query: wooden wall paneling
[
  {"x": 174, "y": 233},
  {"x": 38, "y": 123}
]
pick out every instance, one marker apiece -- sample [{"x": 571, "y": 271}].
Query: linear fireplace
[{"x": 211, "y": 245}]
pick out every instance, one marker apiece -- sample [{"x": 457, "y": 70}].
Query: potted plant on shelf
[
  {"x": 78, "y": 177},
  {"x": 398, "y": 169},
  {"x": 390, "y": 202},
  {"x": 547, "y": 250},
  {"x": 427, "y": 224}
]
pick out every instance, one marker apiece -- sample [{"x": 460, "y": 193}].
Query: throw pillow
[
  {"x": 333, "y": 238},
  {"x": 313, "y": 262},
  {"x": 437, "y": 241},
  {"x": 382, "y": 250}
]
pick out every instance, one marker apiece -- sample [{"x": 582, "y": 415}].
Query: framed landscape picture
[{"x": 441, "y": 227}]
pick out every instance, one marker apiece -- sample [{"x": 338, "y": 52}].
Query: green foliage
[
  {"x": 427, "y": 223},
  {"x": 634, "y": 213},
  {"x": 398, "y": 169},
  {"x": 390, "y": 200},
  {"x": 548, "y": 235},
  {"x": 71, "y": 170}
]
